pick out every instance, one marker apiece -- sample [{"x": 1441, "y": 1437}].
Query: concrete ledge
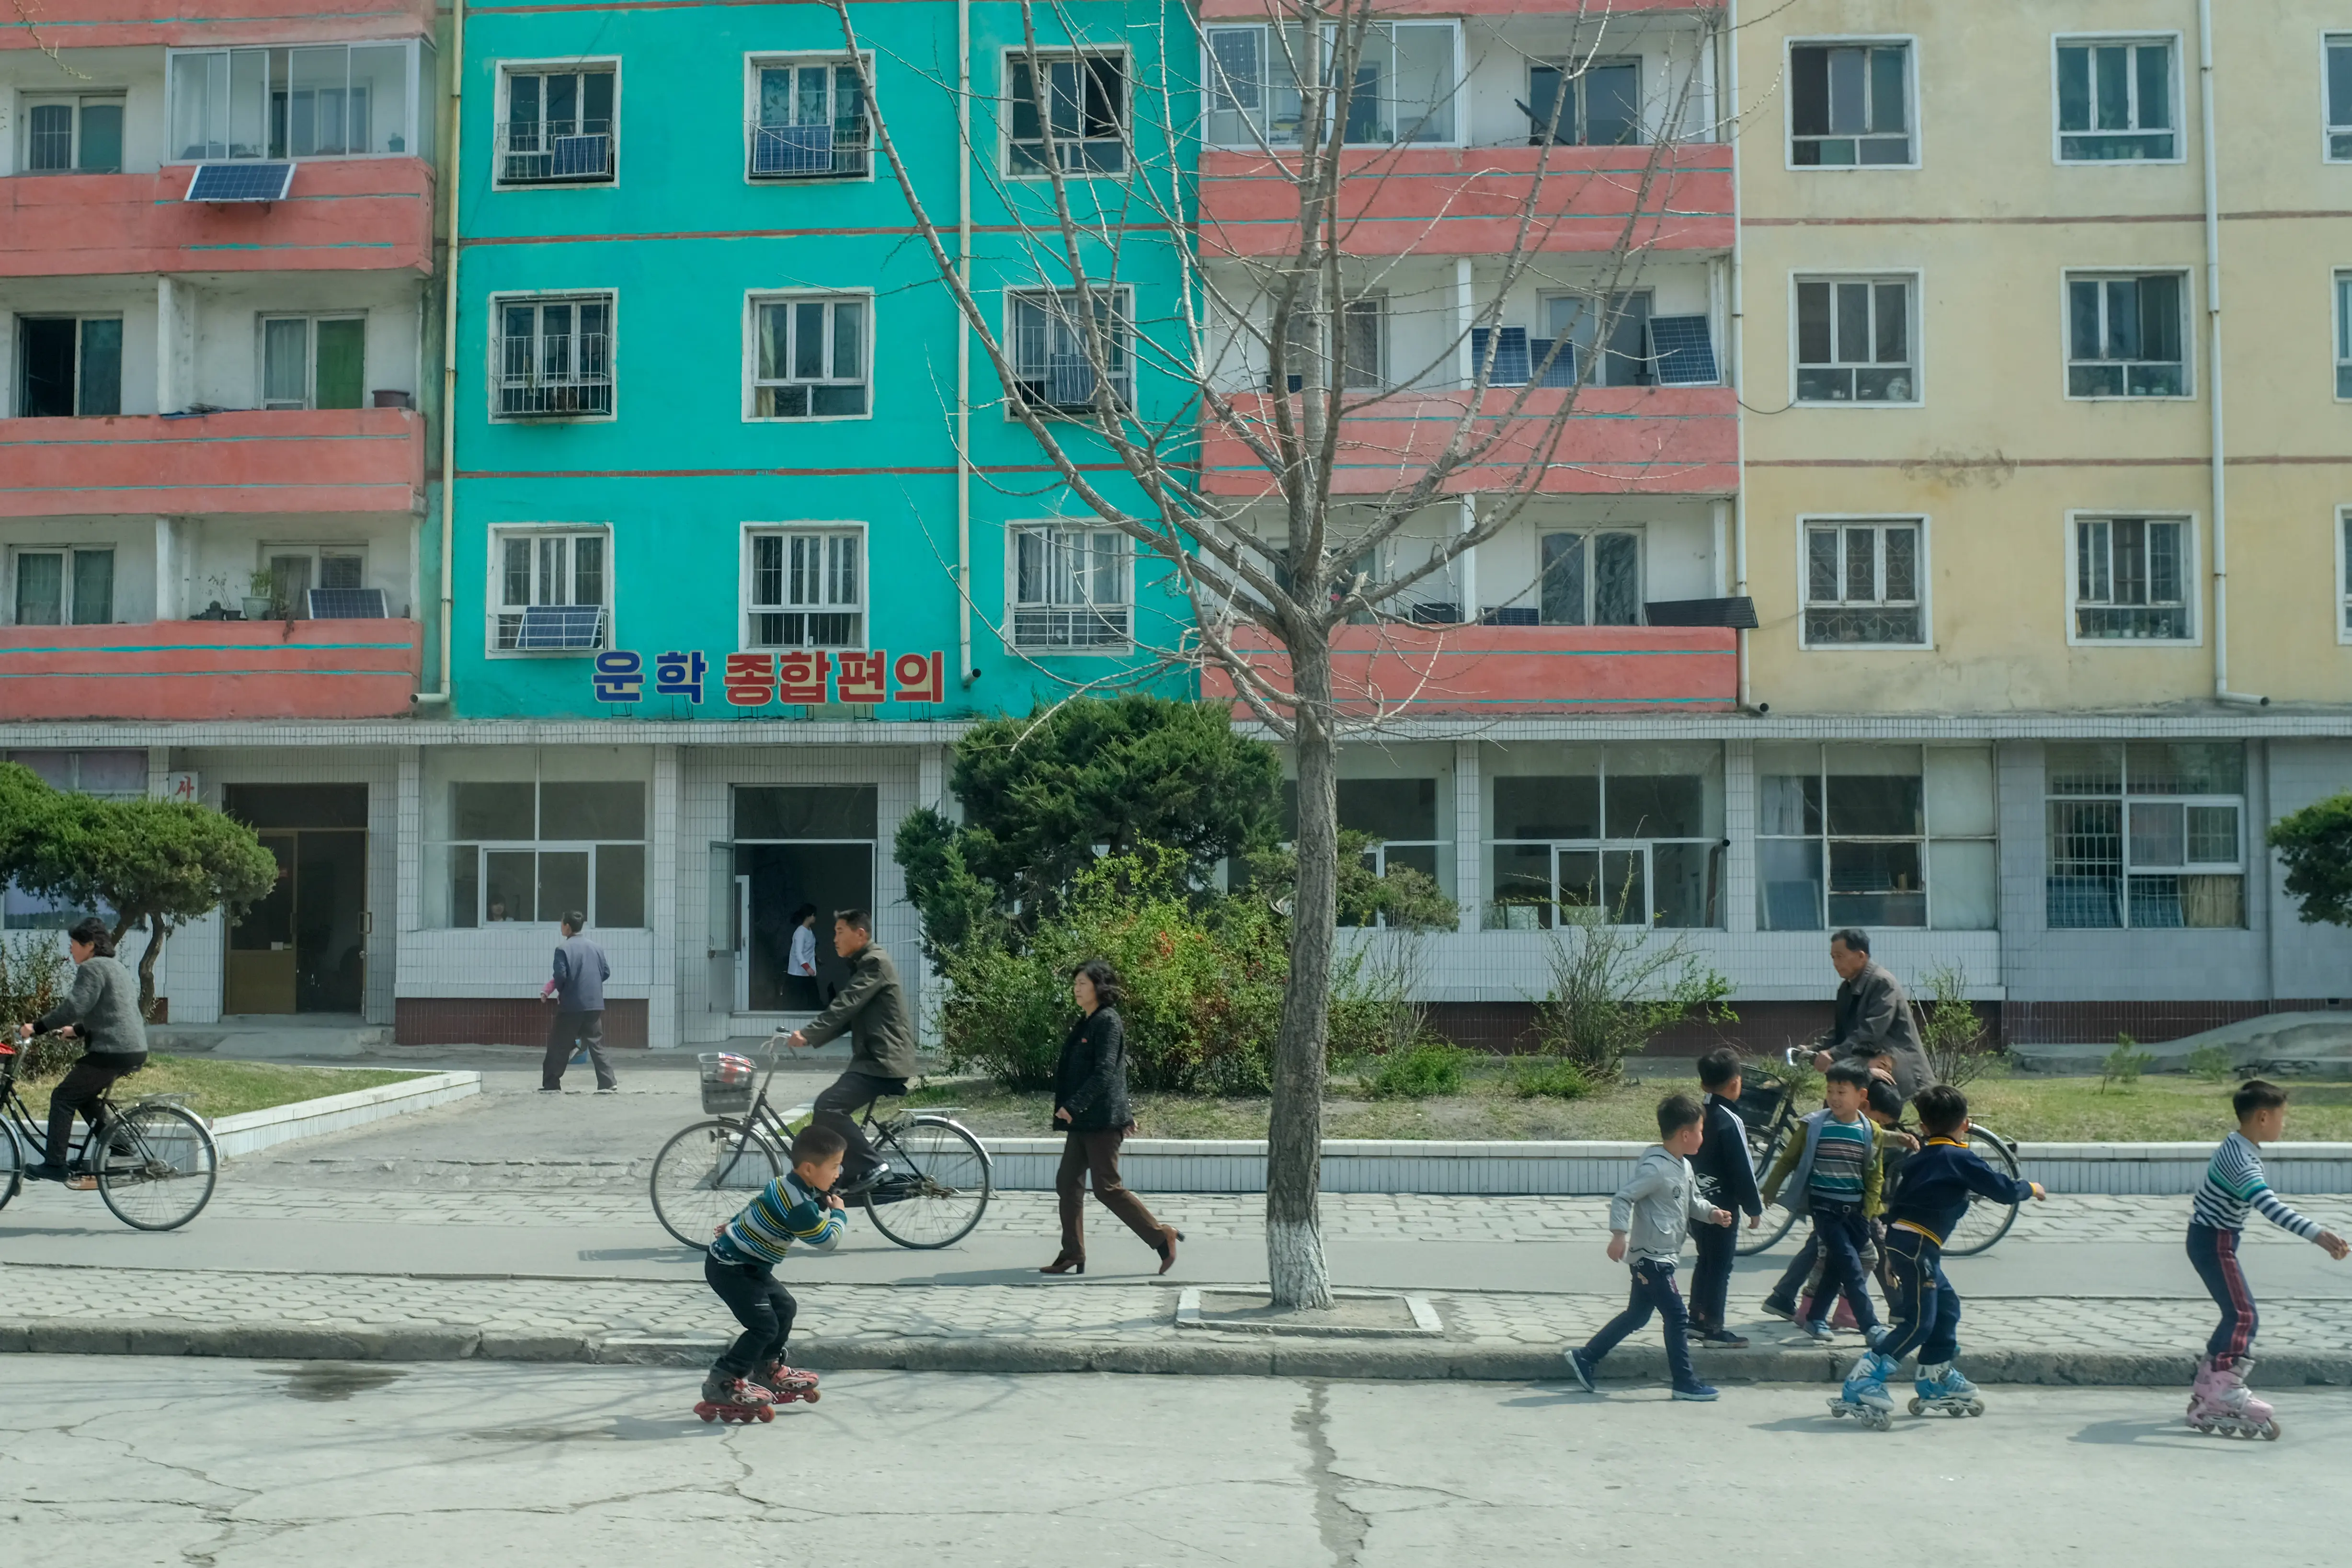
[
  {"x": 1597, "y": 1169},
  {"x": 1203, "y": 1357},
  {"x": 250, "y": 1132}
]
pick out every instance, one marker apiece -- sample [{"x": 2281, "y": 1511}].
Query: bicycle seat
[{"x": 892, "y": 1090}]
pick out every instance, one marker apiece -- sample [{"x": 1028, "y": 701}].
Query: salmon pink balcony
[
  {"x": 1467, "y": 201},
  {"x": 1487, "y": 672},
  {"x": 196, "y": 24},
  {"x": 1617, "y": 440},
  {"x": 342, "y": 459},
  {"x": 211, "y": 669},
  {"x": 340, "y": 215}
]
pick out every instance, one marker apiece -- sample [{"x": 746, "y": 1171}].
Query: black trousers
[
  {"x": 851, "y": 1092},
  {"x": 1711, "y": 1280},
  {"x": 79, "y": 1091},
  {"x": 763, "y": 1307},
  {"x": 1652, "y": 1293},
  {"x": 1842, "y": 1233},
  {"x": 567, "y": 1034}
]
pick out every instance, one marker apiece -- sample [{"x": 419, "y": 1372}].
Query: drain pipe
[
  {"x": 455, "y": 167},
  {"x": 2221, "y": 692},
  {"x": 964, "y": 670},
  {"x": 1736, "y": 341}
]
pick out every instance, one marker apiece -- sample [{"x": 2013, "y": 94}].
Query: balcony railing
[
  {"x": 211, "y": 669},
  {"x": 556, "y": 378},
  {"x": 811, "y": 152},
  {"x": 1048, "y": 626},
  {"x": 555, "y": 151},
  {"x": 305, "y": 461}
]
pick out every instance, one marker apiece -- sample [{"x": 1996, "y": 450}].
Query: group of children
[{"x": 1883, "y": 1201}]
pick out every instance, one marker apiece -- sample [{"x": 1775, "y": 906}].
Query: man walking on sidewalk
[
  {"x": 872, "y": 1010},
  {"x": 577, "y": 989}
]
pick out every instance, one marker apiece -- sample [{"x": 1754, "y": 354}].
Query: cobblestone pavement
[{"x": 1216, "y": 1216}]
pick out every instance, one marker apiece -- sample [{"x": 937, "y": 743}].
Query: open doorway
[
  {"x": 795, "y": 848},
  {"x": 302, "y": 949}
]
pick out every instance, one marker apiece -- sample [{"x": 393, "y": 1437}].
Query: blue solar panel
[
  {"x": 1683, "y": 351},
  {"x": 1511, "y": 362},
  {"x": 546, "y": 626},
  {"x": 579, "y": 157},
  {"x": 347, "y": 604},
  {"x": 240, "y": 182}
]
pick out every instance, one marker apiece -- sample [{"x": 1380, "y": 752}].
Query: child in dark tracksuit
[
  {"x": 1932, "y": 1195},
  {"x": 797, "y": 1209},
  {"x": 1834, "y": 1163},
  {"x": 1727, "y": 1177}
]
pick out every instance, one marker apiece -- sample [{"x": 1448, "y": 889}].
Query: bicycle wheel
[
  {"x": 937, "y": 1186},
  {"x": 12, "y": 1162},
  {"x": 1987, "y": 1219},
  {"x": 708, "y": 1172},
  {"x": 1777, "y": 1220},
  {"x": 156, "y": 1167}
]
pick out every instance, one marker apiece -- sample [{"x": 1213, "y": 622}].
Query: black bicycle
[
  {"x": 933, "y": 1195},
  {"x": 154, "y": 1162},
  {"x": 1768, "y": 1107}
]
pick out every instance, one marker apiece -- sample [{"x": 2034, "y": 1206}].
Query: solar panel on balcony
[
  {"x": 546, "y": 627},
  {"x": 347, "y": 604},
  {"x": 1683, "y": 351},
  {"x": 579, "y": 157},
  {"x": 240, "y": 182}
]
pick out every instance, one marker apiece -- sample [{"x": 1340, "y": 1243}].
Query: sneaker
[
  {"x": 1721, "y": 1340},
  {"x": 610, "y": 1089},
  {"x": 1775, "y": 1308},
  {"x": 865, "y": 1183},
  {"x": 1818, "y": 1331},
  {"x": 45, "y": 1172},
  {"x": 1697, "y": 1393},
  {"x": 1578, "y": 1371},
  {"x": 550, "y": 1088}
]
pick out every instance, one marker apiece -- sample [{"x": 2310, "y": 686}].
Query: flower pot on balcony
[
  {"x": 256, "y": 607},
  {"x": 388, "y": 399}
]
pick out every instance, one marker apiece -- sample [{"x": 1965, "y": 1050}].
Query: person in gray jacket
[
  {"x": 577, "y": 989},
  {"x": 872, "y": 1011},
  {"x": 1649, "y": 1219},
  {"x": 103, "y": 1008},
  {"x": 1874, "y": 1016}
]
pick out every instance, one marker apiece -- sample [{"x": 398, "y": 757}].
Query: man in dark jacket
[
  {"x": 1874, "y": 1016},
  {"x": 577, "y": 989},
  {"x": 1728, "y": 1180},
  {"x": 872, "y": 1010}
]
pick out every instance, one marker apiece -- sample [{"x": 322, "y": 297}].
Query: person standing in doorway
[
  {"x": 872, "y": 1011},
  {"x": 577, "y": 989},
  {"x": 799, "y": 963},
  {"x": 1090, "y": 1110}
]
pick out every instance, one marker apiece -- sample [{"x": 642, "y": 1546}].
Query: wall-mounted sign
[
  {"x": 188, "y": 788},
  {"x": 801, "y": 677}
]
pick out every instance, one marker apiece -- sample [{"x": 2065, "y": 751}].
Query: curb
[
  {"x": 1189, "y": 1358},
  {"x": 251, "y": 1131}
]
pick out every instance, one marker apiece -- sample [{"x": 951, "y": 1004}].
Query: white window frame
[
  {"x": 1373, "y": 302},
  {"x": 2179, "y": 89},
  {"x": 1049, "y": 528},
  {"x": 314, "y": 551},
  {"x": 1122, "y": 298},
  {"x": 747, "y": 570},
  {"x": 2191, "y": 578},
  {"x": 1589, "y": 533},
  {"x": 1047, "y": 59},
  {"x": 26, "y": 102},
  {"x": 753, "y": 299},
  {"x": 68, "y": 549},
  {"x": 310, "y": 320},
  {"x": 494, "y": 580},
  {"x": 504, "y": 70},
  {"x": 1910, "y": 42},
  {"x": 2127, "y": 869},
  {"x": 542, "y": 296},
  {"x": 1914, "y": 292},
  {"x": 12, "y": 396},
  {"x": 2339, "y": 289},
  {"x": 422, "y": 108},
  {"x": 2331, "y": 40},
  {"x": 1841, "y": 520},
  {"x": 2344, "y": 575},
  {"x": 1459, "y": 100},
  {"x": 1926, "y": 839},
  {"x": 2070, "y": 276},
  {"x": 757, "y": 60}
]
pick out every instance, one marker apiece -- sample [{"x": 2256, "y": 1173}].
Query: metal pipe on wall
[
  {"x": 1736, "y": 339},
  {"x": 2221, "y": 692},
  {"x": 453, "y": 173},
  {"x": 964, "y": 670}
]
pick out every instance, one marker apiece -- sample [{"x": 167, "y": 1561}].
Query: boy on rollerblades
[
  {"x": 2233, "y": 1184},
  {"x": 1930, "y": 1198},
  {"x": 798, "y": 1208},
  {"x": 1654, "y": 1211}
]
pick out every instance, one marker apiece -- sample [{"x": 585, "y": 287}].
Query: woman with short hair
[{"x": 1090, "y": 1106}]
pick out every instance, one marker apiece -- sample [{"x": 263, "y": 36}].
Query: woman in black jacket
[{"x": 1090, "y": 1103}]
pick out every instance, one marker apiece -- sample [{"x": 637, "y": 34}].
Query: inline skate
[
  {"x": 2219, "y": 1403},
  {"x": 1941, "y": 1390},
  {"x": 736, "y": 1401},
  {"x": 786, "y": 1384},
  {"x": 1864, "y": 1395}
]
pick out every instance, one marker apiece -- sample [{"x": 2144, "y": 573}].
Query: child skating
[
  {"x": 798, "y": 1208},
  {"x": 2234, "y": 1184},
  {"x": 1930, "y": 1198},
  {"x": 1649, "y": 1217}
]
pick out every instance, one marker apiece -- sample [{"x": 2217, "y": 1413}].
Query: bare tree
[{"x": 1248, "y": 486}]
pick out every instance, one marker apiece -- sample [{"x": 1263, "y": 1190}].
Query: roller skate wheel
[
  {"x": 708, "y": 1412},
  {"x": 767, "y": 1412},
  {"x": 1879, "y": 1421},
  {"x": 810, "y": 1396},
  {"x": 1919, "y": 1407},
  {"x": 1976, "y": 1407},
  {"x": 2270, "y": 1431}
]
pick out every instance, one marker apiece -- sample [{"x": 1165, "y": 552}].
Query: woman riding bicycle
[{"x": 103, "y": 1009}]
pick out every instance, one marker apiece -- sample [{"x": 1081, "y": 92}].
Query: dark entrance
[
  {"x": 303, "y": 949},
  {"x": 793, "y": 847}
]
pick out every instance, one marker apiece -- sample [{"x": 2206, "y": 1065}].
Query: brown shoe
[
  {"x": 1066, "y": 1263},
  {"x": 1168, "y": 1237}
]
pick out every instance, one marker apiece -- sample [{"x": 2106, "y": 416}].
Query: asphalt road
[{"x": 244, "y": 1465}]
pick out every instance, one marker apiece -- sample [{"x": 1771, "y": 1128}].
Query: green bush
[
  {"x": 2212, "y": 1063},
  {"x": 1546, "y": 1078},
  {"x": 33, "y": 975},
  {"x": 1417, "y": 1072},
  {"x": 2124, "y": 1064}
]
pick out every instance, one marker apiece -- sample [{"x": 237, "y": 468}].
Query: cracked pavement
[{"x": 257, "y": 1465}]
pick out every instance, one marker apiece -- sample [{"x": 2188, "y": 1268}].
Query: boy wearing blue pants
[
  {"x": 1937, "y": 1185},
  {"x": 1832, "y": 1172}
]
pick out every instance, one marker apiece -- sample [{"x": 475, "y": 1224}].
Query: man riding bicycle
[
  {"x": 103, "y": 1009},
  {"x": 1874, "y": 1026},
  {"x": 872, "y": 1010}
]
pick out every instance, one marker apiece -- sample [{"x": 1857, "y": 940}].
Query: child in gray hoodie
[{"x": 1650, "y": 1218}]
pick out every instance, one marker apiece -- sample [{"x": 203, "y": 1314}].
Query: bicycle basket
[{"x": 725, "y": 1082}]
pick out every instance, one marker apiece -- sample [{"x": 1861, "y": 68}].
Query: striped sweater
[
  {"x": 2234, "y": 1184},
  {"x": 786, "y": 1213}
]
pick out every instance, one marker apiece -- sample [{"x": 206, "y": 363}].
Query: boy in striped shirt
[
  {"x": 2233, "y": 1184},
  {"x": 798, "y": 1208}
]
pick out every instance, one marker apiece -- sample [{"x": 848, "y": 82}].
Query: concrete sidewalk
[{"x": 1056, "y": 1327}]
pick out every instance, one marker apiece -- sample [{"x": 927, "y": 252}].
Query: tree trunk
[
  {"x": 147, "y": 968},
  {"x": 1294, "y": 1163}
]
